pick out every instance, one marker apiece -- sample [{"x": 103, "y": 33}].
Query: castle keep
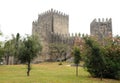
[
  {"x": 101, "y": 28},
  {"x": 52, "y": 21},
  {"x": 51, "y": 26}
]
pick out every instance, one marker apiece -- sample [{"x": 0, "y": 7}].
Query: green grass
[{"x": 47, "y": 73}]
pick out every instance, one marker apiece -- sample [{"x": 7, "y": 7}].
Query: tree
[
  {"x": 77, "y": 58},
  {"x": 60, "y": 50},
  {"x": 16, "y": 43},
  {"x": 112, "y": 57},
  {"x": 1, "y": 49},
  {"x": 103, "y": 60},
  {"x": 8, "y": 50},
  {"x": 28, "y": 50},
  {"x": 94, "y": 60},
  {"x": 11, "y": 48},
  {"x": 1, "y": 54}
]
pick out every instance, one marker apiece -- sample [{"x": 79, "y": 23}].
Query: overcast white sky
[{"x": 16, "y": 16}]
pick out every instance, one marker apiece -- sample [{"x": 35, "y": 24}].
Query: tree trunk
[
  {"x": 65, "y": 57},
  {"x": 28, "y": 72},
  {"x": 76, "y": 69},
  {"x": 60, "y": 62},
  {"x": 101, "y": 76},
  {"x": 7, "y": 60}
]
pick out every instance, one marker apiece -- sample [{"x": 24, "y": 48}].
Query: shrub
[
  {"x": 102, "y": 61},
  {"x": 112, "y": 65}
]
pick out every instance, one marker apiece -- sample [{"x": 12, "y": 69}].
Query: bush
[
  {"x": 112, "y": 65},
  {"x": 102, "y": 61}
]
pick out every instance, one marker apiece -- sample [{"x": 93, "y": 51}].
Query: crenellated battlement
[
  {"x": 53, "y": 12},
  {"x": 68, "y": 39},
  {"x": 103, "y": 20},
  {"x": 34, "y": 22}
]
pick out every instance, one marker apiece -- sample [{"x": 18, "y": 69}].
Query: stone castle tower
[
  {"x": 52, "y": 21},
  {"x": 101, "y": 28},
  {"x": 50, "y": 25}
]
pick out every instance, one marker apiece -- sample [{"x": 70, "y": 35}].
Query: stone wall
[
  {"x": 101, "y": 28},
  {"x": 60, "y": 23}
]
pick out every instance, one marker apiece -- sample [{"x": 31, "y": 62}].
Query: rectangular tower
[
  {"x": 101, "y": 29},
  {"x": 51, "y": 21}
]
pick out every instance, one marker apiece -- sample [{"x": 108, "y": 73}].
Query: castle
[{"x": 53, "y": 26}]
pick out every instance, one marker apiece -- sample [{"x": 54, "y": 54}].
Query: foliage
[
  {"x": 28, "y": 50},
  {"x": 1, "y": 49},
  {"x": 1, "y": 53},
  {"x": 77, "y": 55},
  {"x": 8, "y": 50},
  {"x": 112, "y": 65},
  {"x": 17, "y": 44},
  {"x": 102, "y": 61},
  {"x": 94, "y": 59},
  {"x": 11, "y": 47},
  {"x": 59, "y": 51},
  {"x": 77, "y": 58}
]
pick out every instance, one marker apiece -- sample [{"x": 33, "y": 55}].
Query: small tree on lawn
[
  {"x": 17, "y": 42},
  {"x": 28, "y": 50},
  {"x": 8, "y": 50},
  {"x": 76, "y": 58},
  {"x": 1, "y": 49},
  {"x": 11, "y": 48}
]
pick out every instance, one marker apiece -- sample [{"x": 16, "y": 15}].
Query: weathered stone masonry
[
  {"x": 101, "y": 28},
  {"x": 51, "y": 26}
]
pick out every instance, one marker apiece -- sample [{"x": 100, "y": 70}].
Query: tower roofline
[
  {"x": 53, "y": 11},
  {"x": 103, "y": 20}
]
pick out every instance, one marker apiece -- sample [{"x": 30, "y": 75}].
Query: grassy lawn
[{"x": 47, "y": 73}]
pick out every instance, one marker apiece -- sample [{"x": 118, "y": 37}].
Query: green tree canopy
[
  {"x": 11, "y": 48},
  {"x": 1, "y": 49},
  {"x": 102, "y": 61},
  {"x": 77, "y": 58},
  {"x": 28, "y": 50}
]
